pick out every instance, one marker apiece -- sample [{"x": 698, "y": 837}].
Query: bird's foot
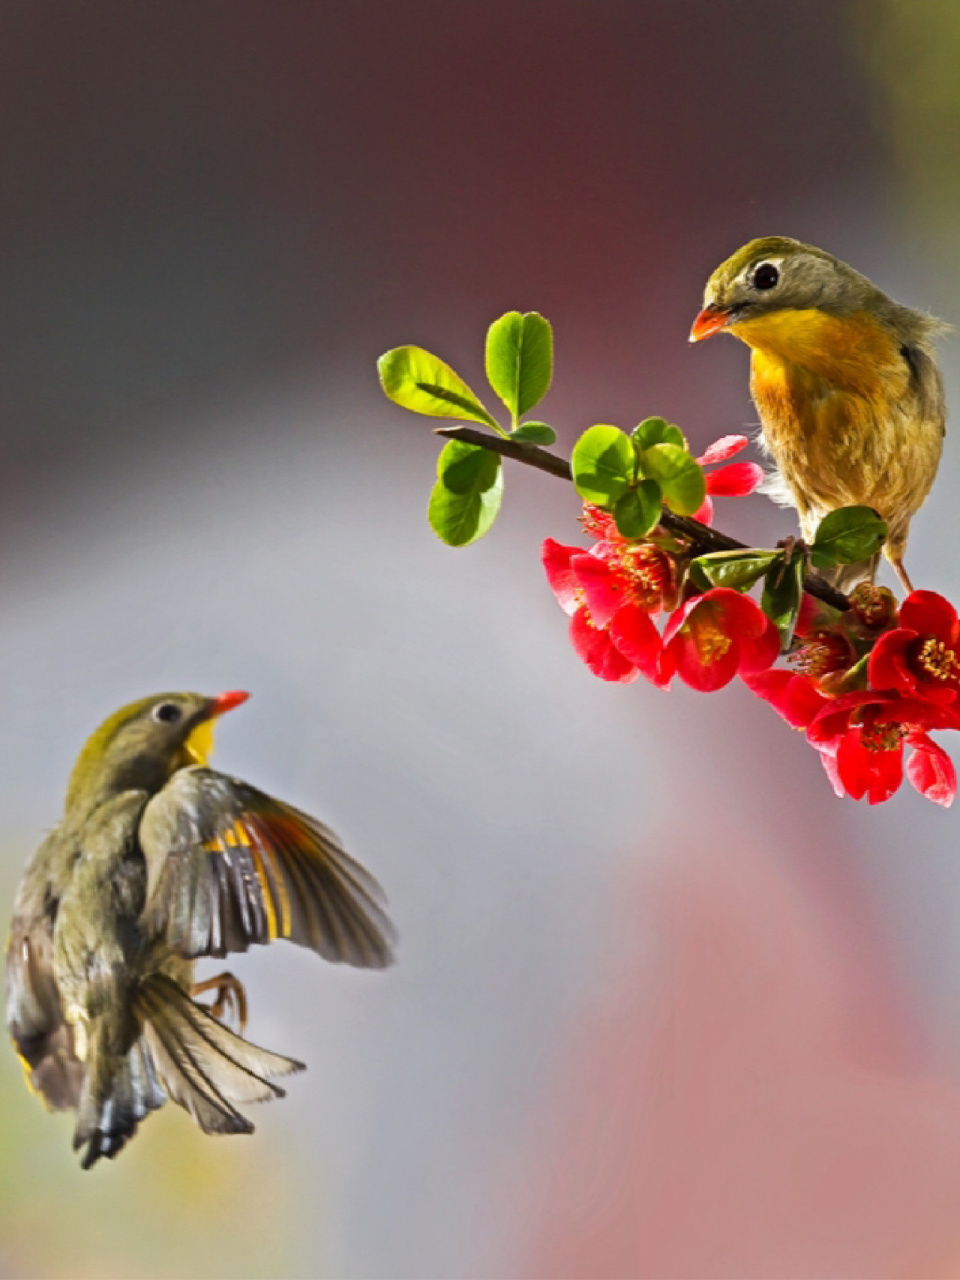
[
  {"x": 231, "y": 1001},
  {"x": 902, "y": 574},
  {"x": 790, "y": 547}
]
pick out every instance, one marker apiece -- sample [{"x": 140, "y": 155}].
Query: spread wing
[
  {"x": 35, "y": 1019},
  {"x": 228, "y": 866}
]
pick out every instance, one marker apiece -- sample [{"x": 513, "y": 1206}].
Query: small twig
[{"x": 701, "y": 537}]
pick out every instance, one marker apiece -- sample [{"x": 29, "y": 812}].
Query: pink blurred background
[{"x": 665, "y": 1007}]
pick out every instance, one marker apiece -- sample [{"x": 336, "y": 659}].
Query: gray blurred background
[{"x": 213, "y": 218}]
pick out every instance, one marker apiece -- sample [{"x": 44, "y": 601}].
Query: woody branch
[{"x": 702, "y": 538}]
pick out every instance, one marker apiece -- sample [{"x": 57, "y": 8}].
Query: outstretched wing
[
  {"x": 43, "y": 1040},
  {"x": 229, "y": 866}
]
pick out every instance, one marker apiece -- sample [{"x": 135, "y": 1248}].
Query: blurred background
[{"x": 665, "y": 1007}]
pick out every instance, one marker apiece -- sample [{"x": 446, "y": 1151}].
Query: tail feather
[
  {"x": 182, "y": 1052},
  {"x": 117, "y": 1094},
  {"x": 203, "y": 1065}
]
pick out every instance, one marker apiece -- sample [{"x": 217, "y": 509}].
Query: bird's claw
[{"x": 231, "y": 1000}]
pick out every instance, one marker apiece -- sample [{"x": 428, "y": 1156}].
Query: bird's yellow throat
[
  {"x": 853, "y": 351},
  {"x": 198, "y": 747}
]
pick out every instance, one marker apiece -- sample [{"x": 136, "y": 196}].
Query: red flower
[
  {"x": 795, "y": 697},
  {"x": 592, "y": 634},
  {"x": 712, "y": 637},
  {"x": 921, "y": 658},
  {"x": 735, "y": 481},
  {"x": 861, "y": 737}
]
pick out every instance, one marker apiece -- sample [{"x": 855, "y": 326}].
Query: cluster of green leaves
[
  {"x": 632, "y": 476},
  {"x": 844, "y": 536},
  {"x": 519, "y": 366}
]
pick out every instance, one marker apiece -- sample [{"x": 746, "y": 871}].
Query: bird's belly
[{"x": 835, "y": 447}]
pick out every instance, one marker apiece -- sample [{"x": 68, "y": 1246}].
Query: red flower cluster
[
  {"x": 866, "y": 686},
  {"x": 612, "y": 591},
  {"x": 891, "y": 687}
]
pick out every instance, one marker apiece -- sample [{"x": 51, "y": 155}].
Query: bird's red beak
[
  {"x": 710, "y": 321},
  {"x": 226, "y": 702}
]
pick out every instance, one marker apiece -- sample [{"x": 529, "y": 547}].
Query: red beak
[
  {"x": 710, "y": 321},
  {"x": 227, "y": 701}
]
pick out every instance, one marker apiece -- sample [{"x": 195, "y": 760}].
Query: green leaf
[
  {"x": 847, "y": 535},
  {"x": 519, "y": 359},
  {"x": 535, "y": 433},
  {"x": 602, "y": 462},
  {"x": 466, "y": 498},
  {"x": 736, "y": 569},
  {"x": 680, "y": 477},
  {"x": 419, "y": 381},
  {"x": 782, "y": 594},
  {"x": 653, "y": 431},
  {"x": 638, "y": 511}
]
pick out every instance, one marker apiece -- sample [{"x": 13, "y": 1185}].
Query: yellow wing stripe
[
  {"x": 265, "y": 890},
  {"x": 285, "y": 918},
  {"x": 272, "y": 887}
]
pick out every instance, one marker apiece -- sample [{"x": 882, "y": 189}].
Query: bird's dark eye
[
  {"x": 765, "y": 276},
  {"x": 167, "y": 712}
]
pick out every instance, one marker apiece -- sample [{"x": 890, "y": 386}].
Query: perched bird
[
  {"x": 845, "y": 381},
  {"x": 156, "y": 861}
]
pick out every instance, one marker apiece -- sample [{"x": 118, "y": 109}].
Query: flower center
[
  {"x": 883, "y": 736},
  {"x": 937, "y": 661},
  {"x": 711, "y": 643},
  {"x": 822, "y": 653},
  {"x": 650, "y": 574}
]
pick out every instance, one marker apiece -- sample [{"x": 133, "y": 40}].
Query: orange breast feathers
[
  {"x": 853, "y": 353},
  {"x": 832, "y": 393}
]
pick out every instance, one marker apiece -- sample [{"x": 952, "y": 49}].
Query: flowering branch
[
  {"x": 700, "y": 536},
  {"x": 663, "y": 595}
]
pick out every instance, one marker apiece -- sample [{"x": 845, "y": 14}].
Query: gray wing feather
[
  {"x": 42, "y": 1038},
  {"x": 228, "y": 866}
]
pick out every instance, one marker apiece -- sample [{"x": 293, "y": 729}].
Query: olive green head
[
  {"x": 143, "y": 743},
  {"x": 776, "y": 274}
]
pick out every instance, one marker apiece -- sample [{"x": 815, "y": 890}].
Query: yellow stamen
[
  {"x": 711, "y": 643},
  {"x": 938, "y": 661},
  {"x": 883, "y": 737}
]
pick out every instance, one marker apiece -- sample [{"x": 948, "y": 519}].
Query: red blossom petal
[
  {"x": 597, "y": 522},
  {"x": 874, "y": 774},
  {"x": 606, "y": 591},
  {"x": 556, "y": 562},
  {"x": 757, "y": 654},
  {"x": 704, "y": 513},
  {"x": 829, "y": 761},
  {"x": 885, "y": 706},
  {"x": 679, "y": 617},
  {"x": 795, "y": 697},
  {"x": 929, "y": 614},
  {"x": 709, "y": 637},
  {"x": 931, "y": 771},
  {"x": 634, "y": 634},
  {"x": 743, "y": 617},
  {"x": 736, "y": 615},
  {"x": 890, "y": 668},
  {"x": 813, "y": 616},
  {"x": 887, "y": 665},
  {"x": 723, "y": 449},
  {"x": 598, "y": 651},
  {"x": 698, "y": 662},
  {"x": 735, "y": 481}
]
